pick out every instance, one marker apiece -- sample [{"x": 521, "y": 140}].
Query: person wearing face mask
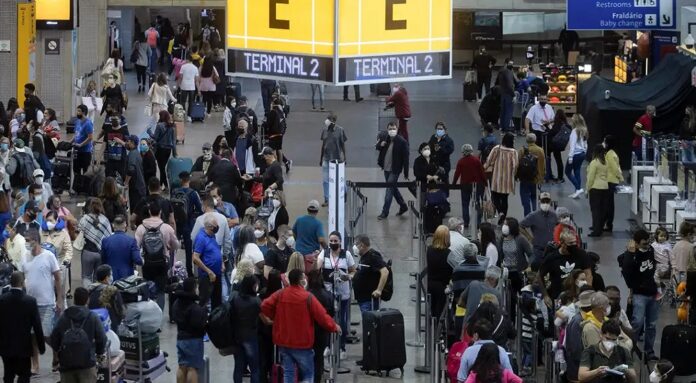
[
  {"x": 43, "y": 282},
  {"x": 279, "y": 216},
  {"x": 18, "y": 122},
  {"x": 539, "y": 121},
  {"x": 310, "y": 233},
  {"x": 115, "y": 152},
  {"x": 28, "y": 220},
  {"x": 470, "y": 169},
  {"x": 617, "y": 312},
  {"x": 222, "y": 236},
  {"x": 539, "y": 226},
  {"x": 559, "y": 263},
  {"x": 101, "y": 292},
  {"x": 593, "y": 320},
  {"x": 442, "y": 147},
  {"x": 515, "y": 253},
  {"x": 279, "y": 253},
  {"x": 371, "y": 277},
  {"x": 392, "y": 159},
  {"x": 663, "y": 372},
  {"x": 134, "y": 181},
  {"x": 226, "y": 175},
  {"x": 574, "y": 282},
  {"x": 149, "y": 160},
  {"x": 207, "y": 256},
  {"x": 565, "y": 221},
  {"x": 34, "y": 195},
  {"x": 643, "y": 128},
  {"x": 84, "y": 130},
  {"x": 15, "y": 245},
  {"x": 424, "y": 168},
  {"x": 54, "y": 231},
  {"x": 598, "y": 189},
  {"x": 245, "y": 147},
  {"x": 458, "y": 241},
  {"x": 598, "y": 358},
  {"x": 638, "y": 267},
  {"x": 261, "y": 236},
  {"x": 502, "y": 163},
  {"x": 113, "y": 95},
  {"x": 46, "y": 192},
  {"x": 333, "y": 149},
  {"x": 402, "y": 108},
  {"x": 222, "y": 207},
  {"x": 206, "y": 161},
  {"x": 483, "y": 64},
  {"x": 506, "y": 84},
  {"x": 164, "y": 138}
]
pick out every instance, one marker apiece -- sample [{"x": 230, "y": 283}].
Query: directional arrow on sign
[{"x": 666, "y": 20}]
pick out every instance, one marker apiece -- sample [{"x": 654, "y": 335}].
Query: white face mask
[
  {"x": 558, "y": 322},
  {"x": 39, "y": 180},
  {"x": 111, "y": 82},
  {"x": 426, "y": 153},
  {"x": 290, "y": 241},
  {"x": 392, "y": 133},
  {"x": 216, "y": 201},
  {"x": 505, "y": 230},
  {"x": 234, "y": 104},
  {"x": 655, "y": 377},
  {"x": 545, "y": 206},
  {"x": 327, "y": 122},
  {"x": 208, "y": 156},
  {"x": 608, "y": 345},
  {"x": 304, "y": 284},
  {"x": 258, "y": 234},
  {"x": 607, "y": 311},
  {"x": 355, "y": 250},
  {"x": 565, "y": 220},
  {"x": 37, "y": 198},
  {"x": 50, "y": 225},
  {"x": 579, "y": 284},
  {"x": 395, "y": 89},
  {"x": 276, "y": 203}
]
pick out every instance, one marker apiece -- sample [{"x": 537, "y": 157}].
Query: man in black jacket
[
  {"x": 393, "y": 159},
  {"x": 20, "y": 317},
  {"x": 638, "y": 269},
  {"x": 226, "y": 175},
  {"x": 76, "y": 363},
  {"x": 483, "y": 64}
]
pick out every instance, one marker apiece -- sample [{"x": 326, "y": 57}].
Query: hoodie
[
  {"x": 638, "y": 270},
  {"x": 189, "y": 316},
  {"x": 76, "y": 315}
]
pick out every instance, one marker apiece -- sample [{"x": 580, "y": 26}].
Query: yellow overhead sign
[{"x": 378, "y": 40}]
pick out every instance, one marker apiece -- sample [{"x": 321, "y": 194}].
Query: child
[{"x": 663, "y": 254}]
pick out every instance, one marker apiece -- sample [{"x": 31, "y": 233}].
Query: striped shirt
[{"x": 503, "y": 163}]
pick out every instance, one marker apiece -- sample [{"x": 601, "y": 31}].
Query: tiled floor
[{"x": 430, "y": 102}]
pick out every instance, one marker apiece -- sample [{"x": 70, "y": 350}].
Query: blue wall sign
[{"x": 621, "y": 14}]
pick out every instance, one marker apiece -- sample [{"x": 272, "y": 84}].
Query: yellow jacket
[
  {"x": 597, "y": 176},
  {"x": 614, "y": 175}
]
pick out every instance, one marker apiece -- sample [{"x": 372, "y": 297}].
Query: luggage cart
[{"x": 384, "y": 115}]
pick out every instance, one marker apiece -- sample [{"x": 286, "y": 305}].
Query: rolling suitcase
[
  {"x": 61, "y": 174},
  {"x": 197, "y": 112},
  {"x": 180, "y": 132},
  {"x": 174, "y": 167},
  {"x": 384, "y": 343},
  {"x": 469, "y": 91},
  {"x": 678, "y": 343}
]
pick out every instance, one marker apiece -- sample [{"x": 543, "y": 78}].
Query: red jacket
[
  {"x": 402, "y": 108},
  {"x": 294, "y": 311},
  {"x": 470, "y": 169}
]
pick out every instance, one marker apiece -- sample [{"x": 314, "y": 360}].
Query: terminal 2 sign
[{"x": 366, "y": 41}]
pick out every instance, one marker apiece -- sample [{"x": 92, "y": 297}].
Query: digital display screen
[
  {"x": 387, "y": 67},
  {"x": 281, "y": 65},
  {"x": 54, "y": 14},
  {"x": 487, "y": 19}
]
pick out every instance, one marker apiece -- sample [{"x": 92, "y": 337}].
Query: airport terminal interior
[{"x": 606, "y": 70}]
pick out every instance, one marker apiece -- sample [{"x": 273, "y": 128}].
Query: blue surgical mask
[
  {"x": 4, "y": 147},
  {"x": 144, "y": 148},
  {"x": 440, "y": 132}
]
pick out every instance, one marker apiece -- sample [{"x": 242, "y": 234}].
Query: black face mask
[
  {"x": 542, "y": 103},
  {"x": 509, "y": 66},
  {"x": 215, "y": 229},
  {"x": 615, "y": 310},
  {"x": 571, "y": 248},
  {"x": 334, "y": 246}
]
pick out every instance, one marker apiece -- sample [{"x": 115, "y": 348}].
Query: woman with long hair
[
  {"x": 94, "y": 226},
  {"x": 50, "y": 126},
  {"x": 598, "y": 188},
  {"x": 164, "y": 137},
  {"x": 574, "y": 282},
  {"x": 112, "y": 199},
  {"x": 560, "y": 121},
  {"x": 439, "y": 270},
  {"x": 115, "y": 61},
  {"x": 502, "y": 162},
  {"x": 248, "y": 249},
  {"x": 340, "y": 264},
  {"x": 160, "y": 95},
  {"x": 488, "y": 369},
  {"x": 112, "y": 94},
  {"x": 487, "y": 241},
  {"x": 577, "y": 150},
  {"x": 614, "y": 177},
  {"x": 504, "y": 329},
  {"x": 208, "y": 79}
]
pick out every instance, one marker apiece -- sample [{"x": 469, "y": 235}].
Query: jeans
[
  {"x": 392, "y": 192},
  {"x": 90, "y": 261},
  {"x": 317, "y": 88},
  {"x": 371, "y": 305},
  {"x": 301, "y": 360},
  {"x": 467, "y": 191},
  {"x": 152, "y": 64},
  {"x": 483, "y": 81},
  {"x": 528, "y": 196},
  {"x": 16, "y": 366},
  {"x": 573, "y": 170},
  {"x": 505, "y": 112},
  {"x": 645, "y": 311},
  {"x": 248, "y": 355}
]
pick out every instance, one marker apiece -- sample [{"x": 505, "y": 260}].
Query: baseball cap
[
  {"x": 38, "y": 173},
  {"x": 562, "y": 212},
  {"x": 207, "y": 146},
  {"x": 313, "y": 205},
  {"x": 545, "y": 195},
  {"x": 18, "y": 142},
  {"x": 243, "y": 99},
  {"x": 267, "y": 151},
  {"x": 31, "y": 205},
  {"x": 134, "y": 139},
  {"x": 585, "y": 299}
]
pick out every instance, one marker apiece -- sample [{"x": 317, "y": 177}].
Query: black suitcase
[
  {"x": 234, "y": 89},
  {"x": 384, "y": 342},
  {"x": 469, "y": 91},
  {"x": 678, "y": 344},
  {"x": 61, "y": 175}
]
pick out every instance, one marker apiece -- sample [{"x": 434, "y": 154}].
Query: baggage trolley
[{"x": 385, "y": 115}]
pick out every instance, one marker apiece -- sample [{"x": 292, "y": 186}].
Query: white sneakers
[
  {"x": 327, "y": 353},
  {"x": 577, "y": 194}
]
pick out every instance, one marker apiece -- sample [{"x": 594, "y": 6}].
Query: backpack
[
  {"x": 220, "y": 328},
  {"x": 560, "y": 140},
  {"x": 213, "y": 37},
  {"x": 527, "y": 170},
  {"x": 24, "y": 174},
  {"x": 487, "y": 152},
  {"x": 388, "y": 289},
  {"x": 154, "y": 250},
  {"x": 76, "y": 348},
  {"x": 180, "y": 205},
  {"x": 135, "y": 55},
  {"x": 454, "y": 359}
]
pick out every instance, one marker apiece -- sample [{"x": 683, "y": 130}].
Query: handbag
[
  {"x": 488, "y": 206},
  {"x": 216, "y": 77},
  {"x": 79, "y": 242}
]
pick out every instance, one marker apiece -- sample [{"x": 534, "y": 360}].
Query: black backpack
[
  {"x": 135, "y": 55},
  {"x": 75, "y": 350},
  {"x": 527, "y": 169},
  {"x": 154, "y": 250},
  {"x": 487, "y": 152},
  {"x": 180, "y": 205},
  {"x": 24, "y": 174},
  {"x": 560, "y": 140},
  {"x": 220, "y": 328}
]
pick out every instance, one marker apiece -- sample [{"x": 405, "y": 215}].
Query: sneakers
[
  {"x": 577, "y": 194},
  {"x": 402, "y": 210},
  {"x": 327, "y": 352},
  {"x": 205, "y": 338},
  {"x": 188, "y": 119},
  {"x": 381, "y": 217},
  {"x": 288, "y": 166}
]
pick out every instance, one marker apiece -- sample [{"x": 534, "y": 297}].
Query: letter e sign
[
  {"x": 273, "y": 21},
  {"x": 389, "y": 23}
]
